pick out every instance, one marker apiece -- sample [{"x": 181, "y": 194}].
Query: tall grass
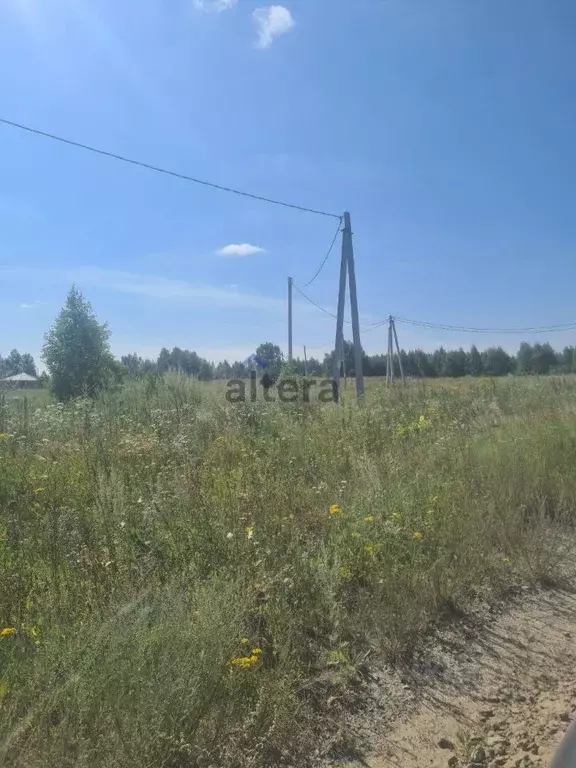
[{"x": 190, "y": 583}]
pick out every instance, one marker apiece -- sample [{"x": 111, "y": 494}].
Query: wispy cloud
[
  {"x": 271, "y": 22},
  {"x": 239, "y": 250},
  {"x": 217, "y": 6},
  {"x": 33, "y": 304},
  {"x": 146, "y": 285}
]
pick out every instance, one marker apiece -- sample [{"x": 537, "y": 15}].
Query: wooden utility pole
[
  {"x": 289, "y": 319},
  {"x": 347, "y": 268}
]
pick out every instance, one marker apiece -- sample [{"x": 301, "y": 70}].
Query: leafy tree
[
  {"x": 543, "y": 358},
  {"x": 524, "y": 358},
  {"x": 164, "y": 360},
  {"x": 133, "y": 363},
  {"x": 272, "y": 355},
  {"x": 497, "y": 362},
  {"x": 27, "y": 364},
  {"x": 77, "y": 351},
  {"x": 455, "y": 364},
  {"x": 474, "y": 362},
  {"x": 206, "y": 372}
]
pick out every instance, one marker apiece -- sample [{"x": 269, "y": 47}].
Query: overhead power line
[
  {"x": 463, "y": 329},
  {"x": 321, "y": 267},
  {"x": 365, "y": 329},
  {"x": 165, "y": 171}
]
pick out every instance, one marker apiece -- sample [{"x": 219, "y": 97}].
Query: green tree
[
  {"x": 474, "y": 362},
  {"x": 497, "y": 362},
  {"x": 206, "y": 372},
  {"x": 455, "y": 365},
  {"x": 524, "y": 358},
  {"x": 77, "y": 351},
  {"x": 272, "y": 355},
  {"x": 27, "y": 364}
]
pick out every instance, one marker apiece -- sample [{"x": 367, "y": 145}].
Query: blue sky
[{"x": 446, "y": 128}]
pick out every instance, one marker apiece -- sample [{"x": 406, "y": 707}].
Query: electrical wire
[
  {"x": 165, "y": 171},
  {"x": 463, "y": 329},
  {"x": 321, "y": 267}
]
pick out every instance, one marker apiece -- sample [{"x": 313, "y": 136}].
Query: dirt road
[{"x": 498, "y": 690}]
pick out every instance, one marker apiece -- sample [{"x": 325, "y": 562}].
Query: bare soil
[{"x": 498, "y": 689}]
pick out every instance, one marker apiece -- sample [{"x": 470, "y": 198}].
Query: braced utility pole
[
  {"x": 347, "y": 268},
  {"x": 398, "y": 352}
]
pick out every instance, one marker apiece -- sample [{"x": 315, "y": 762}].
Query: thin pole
[
  {"x": 391, "y": 351},
  {"x": 339, "y": 320},
  {"x": 289, "y": 319},
  {"x": 305, "y": 363},
  {"x": 398, "y": 352},
  {"x": 389, "y": 356},
  {"x": 349, "y": 248}
]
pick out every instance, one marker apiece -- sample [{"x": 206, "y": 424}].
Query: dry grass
[{"x": 152, "y": 537}]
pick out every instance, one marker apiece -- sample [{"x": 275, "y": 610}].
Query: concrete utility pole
[
  {"x": 305, "y": 363},
  {"x": 398, "y": 352},
  {"x": 289, "y": 319},
  {"x": 347, "y": 267}
]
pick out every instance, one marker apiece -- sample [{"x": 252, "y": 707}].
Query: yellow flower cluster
[
  {"x": 335, "y": 509},
  {"x": 245, "y": 662},
  {"x": 4, "y": 436},
  {"x": 7, "y": 631},
  {"x": 418, "y": 535}
]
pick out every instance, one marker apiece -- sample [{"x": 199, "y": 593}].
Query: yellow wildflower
[
  {"x": 369, "y": 548},
  {"x": 256, "y": 651},
  {"x": 335, "y": 509},
  {"x": 249, "y": 531},
  {"x": 245, "y": 661},
  {"x": 4, "y": 436},
  {"x": 7, "y": 631},
  {"x": 355, "y": 534},
  {"x": 369, "y": 519},
  {"x": 418, "y": 535},
  {"x": 396, "y": 516},
  {"x": 37, "y": 491},
  {"x": 244, "y": 641}
]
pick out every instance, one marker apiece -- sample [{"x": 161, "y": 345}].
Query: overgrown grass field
[{"x": 188, "y": 583}]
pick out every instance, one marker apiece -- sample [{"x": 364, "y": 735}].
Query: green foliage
[
  {"x": 152, "y": 537},
  {"x": 16, "y": 363},
  {"x": 77, "y": 352}
]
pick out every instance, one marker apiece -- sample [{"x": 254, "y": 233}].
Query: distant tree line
[
  {"x": 453, "y": 363},
  {"x": 16, "y": 363}
]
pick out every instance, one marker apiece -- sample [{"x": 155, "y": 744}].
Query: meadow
[{"x": 190, "y": 583}]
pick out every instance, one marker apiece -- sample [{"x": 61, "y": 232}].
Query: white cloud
[
  {"x": 33, "y": 304},
  {"x": 241, "y": 249},
  {"x": 214, "y": 5},
  {"x": 271, "y": 21}
]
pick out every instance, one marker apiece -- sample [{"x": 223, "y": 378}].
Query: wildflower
[
  {"x": 249, "y": 531},
  {"x": 244, "y": 641},
  {"x": 418, "y": 535},
  {"x": 435, "y": 499},
  {"x": 230, "y": 535},
  {"x": 256, "y": 651},
  {"x": 335, "y": 509},
  {"x": 355, "y": 534},
  {"x": 369, "y": 548},
  {"x": 396, "y": 516},
  {"x": 38, "y": 491},
  {"x": 245, "y": 661},
  {"x": 7, "y": 631},
  {"x": 369, "y": 519},
  {"x": 4, "y": 436}
]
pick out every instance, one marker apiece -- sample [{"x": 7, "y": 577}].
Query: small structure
[{"x": 20, "y": 381}]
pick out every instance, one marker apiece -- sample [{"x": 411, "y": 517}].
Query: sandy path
[{"x": 499, "y": 690}]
